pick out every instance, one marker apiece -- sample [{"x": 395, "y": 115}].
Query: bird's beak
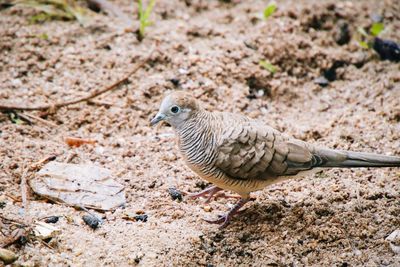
[{"x": 159, "y": 117}]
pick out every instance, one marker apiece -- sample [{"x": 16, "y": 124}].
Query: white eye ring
[{"x": 175, "y": 109}]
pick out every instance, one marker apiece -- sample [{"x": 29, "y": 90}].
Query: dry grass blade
[{"x": 56, "y": 9}]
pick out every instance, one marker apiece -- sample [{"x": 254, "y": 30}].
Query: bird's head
[{"x": 176, "y": 108}]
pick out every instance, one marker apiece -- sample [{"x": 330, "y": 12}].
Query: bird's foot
[
  {"x": 222, "y": 219},
  {"x": 225, "y": 219},
  {"x": 208, "y": 192}
]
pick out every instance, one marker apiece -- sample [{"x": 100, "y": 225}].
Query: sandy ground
[{"x": 330, "y": 218}]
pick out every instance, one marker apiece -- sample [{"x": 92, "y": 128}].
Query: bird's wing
[{"x": 251, "y": 150}]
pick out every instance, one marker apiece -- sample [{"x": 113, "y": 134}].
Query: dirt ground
[{"x": 211, "y": 48}]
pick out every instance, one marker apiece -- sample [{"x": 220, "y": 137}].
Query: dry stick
[
  {"x": 15, "y": 199},
  {"x": 58, "y": 105},
  {"x": 13, "y": 221},
  {"x": 29, "y": 116}
]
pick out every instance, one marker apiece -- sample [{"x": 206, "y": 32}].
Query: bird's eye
[{"x": 174, "y": 109}]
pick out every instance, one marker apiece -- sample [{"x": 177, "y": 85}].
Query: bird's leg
[
  {"x": 224, "y": 219},
  {"x": 223, "y": 195},
  {"x": 209, "y": 192}
]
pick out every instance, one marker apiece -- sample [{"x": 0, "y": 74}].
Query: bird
[{"x": 244, "y": 155}]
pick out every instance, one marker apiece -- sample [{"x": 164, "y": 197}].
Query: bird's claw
[{"x": 223, "y": 220}]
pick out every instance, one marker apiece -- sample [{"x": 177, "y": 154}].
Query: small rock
[
  {"x": 7, "y": 256},
  {"x": 175, "y": 194},
  {"x": 394, "y": 237},
  {"x": 258, "y": 87},
  {"x": 92, "y": 221},
  {"x": 175, "y": 81},
  {"x": 51, "y": 219},
  {"x": 342, "y": 33},
  {"x": 207, "y": 208},
  {"x": 387, "y": 49},
  {"x": 142, "y": 218},
  {"x": 394, "y": 241}
]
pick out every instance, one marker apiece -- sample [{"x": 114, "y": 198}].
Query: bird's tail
[{"x": 348, "y": 159}]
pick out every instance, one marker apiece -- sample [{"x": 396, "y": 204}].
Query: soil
[{"x": 336, "y": 217}]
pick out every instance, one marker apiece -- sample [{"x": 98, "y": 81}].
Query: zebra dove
[{"x": 243, "y": 155}]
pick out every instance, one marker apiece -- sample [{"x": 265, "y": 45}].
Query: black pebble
[
  {"x": 343, "y": 35},
  {"x": 94, "y": 6},
  {"x": 387, "y": 49},
  {"x": 175, "y": 81},
  {"x": 92, "y": 221},
  {"x": 141, "y": 217},
  {"x": 175, "y": 194},
  {"x": 52, "y": 219}
]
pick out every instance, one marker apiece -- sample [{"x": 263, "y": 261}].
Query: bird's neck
[{"x": 196, "y": 131}]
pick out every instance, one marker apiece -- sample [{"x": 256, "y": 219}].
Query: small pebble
[
  {"x": 207, "y": 208},
  {"x": 52, "y": 219},
  {"x": 175, "y": 81},
  {"x": 92, "y": 221},
  {"x": 387, "y": 50},
  {"x": 175, "y": 194},
  {"x": 142, "y": 218}
]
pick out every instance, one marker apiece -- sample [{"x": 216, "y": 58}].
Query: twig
[
  {"x": 70, "y": 157},
  {"x": 30, "y": 116},
  {"x": 14, "y": 221},
  {"x": 61, "y": 104},
  {"x": 44, "y": 160},
  {"x": 18, "y": 234},
  {"x": 44, "y": 243},
  {"x": 15, "y": 199}
]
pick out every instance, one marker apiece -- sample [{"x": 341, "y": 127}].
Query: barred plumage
[{"x": 243, "y": 155}]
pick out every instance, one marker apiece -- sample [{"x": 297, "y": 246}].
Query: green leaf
[
  {"x": 269, "y": 10},
  {"x": 149, "y": 9},
  {"x": 56, "y": 9},
  {"x": 140, "y": 4},
  {"x": 38, "y": 18},
  {"x": 362, "y": 31},
  {"x": 376, "y": 28},
  {"x": 144, "y": 16},
  {"x": 15, "y": 119},
  {"x": 268, "y": 66},
  {"x": 363, "y": 44}
]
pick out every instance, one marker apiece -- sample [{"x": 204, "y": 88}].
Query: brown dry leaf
[
  {"x": 77, "y": 142},
  {"x": 79, "y": 185}
]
